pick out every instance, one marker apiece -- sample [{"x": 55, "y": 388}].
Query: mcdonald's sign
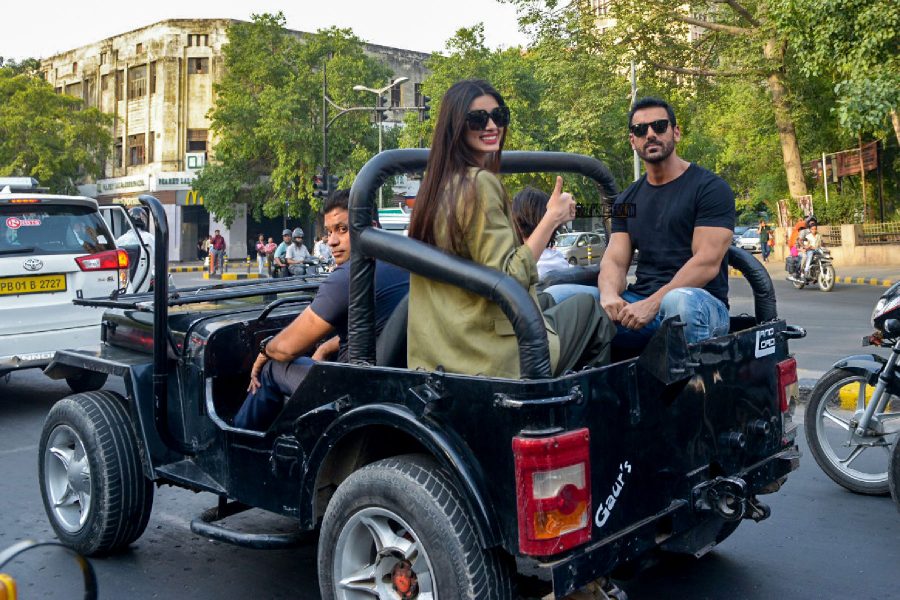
[{"x": 189, "y": 198}]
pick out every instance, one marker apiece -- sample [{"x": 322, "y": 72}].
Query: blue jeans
[
  {"x": 277, "y": 381},
  {"x": 705, "y": 315}
]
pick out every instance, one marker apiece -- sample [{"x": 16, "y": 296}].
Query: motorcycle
[
  {"x": 820, "y": 272},
  {"x": 853, "y": 416}
]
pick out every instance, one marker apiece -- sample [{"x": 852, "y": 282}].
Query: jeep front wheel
[
  {"x": 92, "y": 483},
  {"x": 397, "y": 528}
]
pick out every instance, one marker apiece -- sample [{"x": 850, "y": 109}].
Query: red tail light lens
[
  {"x": 788, "y": 396},
  {"x": 553, "y": 492},
  {"x": 787, "y": 383},
  {"x": 108, "y": 260}
]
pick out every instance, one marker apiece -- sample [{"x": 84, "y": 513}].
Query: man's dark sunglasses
[
  {"x": 477, "y": 120},
  {"x": 659, "y": 127}
]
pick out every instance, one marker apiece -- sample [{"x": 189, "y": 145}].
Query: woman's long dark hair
[{"x": 450, "y": 156}]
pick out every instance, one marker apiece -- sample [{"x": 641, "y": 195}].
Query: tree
[
  {"x": 51, "y": 137},
  {"x": 856, "y": 43},
  {"x": 689, "y": 41},
  {"x": 268, "y": 117}
]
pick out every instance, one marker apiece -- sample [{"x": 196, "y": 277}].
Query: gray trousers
[{"x": 585, "y": 331}]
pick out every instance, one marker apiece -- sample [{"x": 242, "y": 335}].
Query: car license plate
[{"x": 32, "y": 284}]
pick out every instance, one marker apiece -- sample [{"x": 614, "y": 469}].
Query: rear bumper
[
  {"x": 687, "y": 530},
  {"x": 36, "y": 350}
]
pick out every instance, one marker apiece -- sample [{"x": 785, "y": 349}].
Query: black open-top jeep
[{"x": 424, "y": 484}]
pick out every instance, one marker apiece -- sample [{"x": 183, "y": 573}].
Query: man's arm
[
  {"x": 613, "y": 269},
  {"x": 327, "y": 349},
  {"x": 295, "y": 339},
  {"x": 709, "y": 245}
]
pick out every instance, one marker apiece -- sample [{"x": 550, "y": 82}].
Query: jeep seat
[{"x": 390, "y": 348}]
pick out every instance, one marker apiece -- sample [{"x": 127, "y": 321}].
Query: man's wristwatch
[{"x": 262, "y": 347}]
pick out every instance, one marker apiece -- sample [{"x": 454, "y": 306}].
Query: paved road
[{"x": 821, "y": 542}]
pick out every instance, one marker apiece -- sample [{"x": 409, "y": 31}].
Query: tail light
[
  {"x": 553, "y": 492},
  {"x": 109, "y": 260},
  {"x": 788, "y": 396}
]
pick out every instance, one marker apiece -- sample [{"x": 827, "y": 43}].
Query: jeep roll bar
[{"x": 369, "y": 243}]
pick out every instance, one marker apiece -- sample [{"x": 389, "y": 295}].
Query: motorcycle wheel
[
  {"x": 894, "y": 475},
  {"x": 859, "y": 464},
  {"x": 826, "y": 278}
]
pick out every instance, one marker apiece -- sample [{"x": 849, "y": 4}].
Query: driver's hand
[
  {"x": 637, "y": 314},
  {"x": 260, "y": 362},
  {"x": 613, "y": 305}
]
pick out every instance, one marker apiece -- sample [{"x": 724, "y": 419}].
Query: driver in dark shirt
[
  {"x": 282, "y": 365},
  {"x": 682, "y": 223}
]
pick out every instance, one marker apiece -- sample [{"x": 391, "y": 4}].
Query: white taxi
[{"x": 53, "y": 249}]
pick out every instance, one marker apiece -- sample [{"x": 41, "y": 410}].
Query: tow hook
[{"x": 730, "y": 499}]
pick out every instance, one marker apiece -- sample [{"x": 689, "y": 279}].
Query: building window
[
  {"x": 196, "y": 140},
  {"x": 120, "y": 84},
  {"x": 138, "y": 48},
  {"x": 59, "y": 90},
  {"x": 136, "y": 149},
  {"x": 89, "y": 89},
  {"x": 198, "y": 39},
  {"x": 600, "y": 7},
  {"x": 75, "y": 67},
  {"x": 396, "y": 96},
  {"x": 198, "y": 66},
  {"x": 137, "y": 82},
  {"x": 153, "y": 77},
  {"x": 117, "y": 154},
  {"x": 104, "y": 82},
  {"x": 115, "y": 56},
  {"x": 104, "y": 58}
]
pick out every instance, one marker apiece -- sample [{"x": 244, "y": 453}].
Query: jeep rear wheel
[
  {"x": 398, "y": 529},
  {"x": 92, "y": 483}
]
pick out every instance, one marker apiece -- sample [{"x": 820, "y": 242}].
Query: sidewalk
[
  {"x": 235, "y": 270},
  {"x": 876, "y": 275}
]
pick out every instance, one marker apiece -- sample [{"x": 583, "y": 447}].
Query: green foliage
[
  {"x": 855, "y": 42},
  {"x": 268, "y": 117},
  {"x": 49, "y": 136}
]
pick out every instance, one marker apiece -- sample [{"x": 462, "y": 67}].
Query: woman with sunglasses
[{"x": 463, "y": 209}]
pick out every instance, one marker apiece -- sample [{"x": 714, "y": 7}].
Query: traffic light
[
  {"x": 333, "y": 183},
  {"x": 426, "y": 107},
  {"x": 381, "y": 113},
  {"x": 320, "y": 186}
]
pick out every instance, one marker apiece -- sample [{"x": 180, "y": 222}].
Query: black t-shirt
[
  {"x": 662, "y": 227},
  {"x": 332, "y": 301}
]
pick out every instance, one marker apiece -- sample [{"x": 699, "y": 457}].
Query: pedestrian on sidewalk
[
  {"x": 271, "y": 246},
  {"x": 764, "y": 234},
  {"x": 202, "y": 248},
  {"x": 261, "y": 253},
  {"x": 217, "y": 253}
]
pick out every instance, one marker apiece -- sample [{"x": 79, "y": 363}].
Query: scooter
[
  {"x": 820, "y": 272},
  {"x": 853, "y": 416}
]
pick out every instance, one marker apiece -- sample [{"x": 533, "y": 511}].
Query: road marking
[{"x": 18, "y": 450}]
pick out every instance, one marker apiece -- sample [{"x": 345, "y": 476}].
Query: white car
[
  {"x": 53, "y": 249},
  {"x": 749, "y": 240}
]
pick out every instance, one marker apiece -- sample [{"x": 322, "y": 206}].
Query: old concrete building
[{"x": 157, "y": 82}]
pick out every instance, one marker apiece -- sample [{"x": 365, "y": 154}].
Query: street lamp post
[{"x": 379, "y": 109}]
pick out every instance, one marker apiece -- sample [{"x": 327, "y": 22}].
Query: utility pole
[{"x": 637, "y": 161}]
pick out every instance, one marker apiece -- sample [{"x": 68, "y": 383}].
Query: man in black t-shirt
[
  {"x": 682, "y": 223},
  {"x": 281, "y": 365}
]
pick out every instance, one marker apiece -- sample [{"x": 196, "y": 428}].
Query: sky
[{"x": 38, "y": 28}]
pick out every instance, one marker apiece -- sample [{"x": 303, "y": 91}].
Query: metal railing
[
  {"x": 831, "y": 235},
  {"x": 874, "y": 234}
]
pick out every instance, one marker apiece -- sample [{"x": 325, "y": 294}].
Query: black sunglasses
[
  {"x": 659, "y": 127},
  {"x": 477, "y": 120}
]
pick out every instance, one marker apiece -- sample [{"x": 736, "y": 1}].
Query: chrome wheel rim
[
  {"x": 826, "y": 278},
  {"x": 841, "y": 447},
  {"x": 378, "y": 555},
  {"x": 67, "y": 478}
]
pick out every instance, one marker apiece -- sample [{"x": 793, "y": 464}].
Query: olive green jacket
[{"x": 458, "y": 330}]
